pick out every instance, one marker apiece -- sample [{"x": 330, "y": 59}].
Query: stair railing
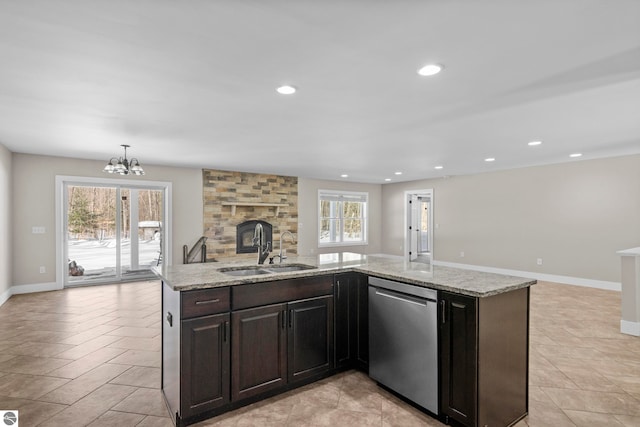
[{"x": 189, "y": 256}]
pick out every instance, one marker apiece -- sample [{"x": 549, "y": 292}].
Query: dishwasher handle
[{"x": 401, "y": 297}]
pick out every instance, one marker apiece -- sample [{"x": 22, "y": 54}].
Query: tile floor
[{"x": 90, "y": 356}]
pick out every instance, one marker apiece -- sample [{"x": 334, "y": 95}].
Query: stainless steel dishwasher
[{"x": 403, "y": 340}]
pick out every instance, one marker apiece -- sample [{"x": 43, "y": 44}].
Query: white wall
[
  {"x": 308, "y": 215},
  {"x": 5, "y": 221},
  {"x": 34, "y": 205},
  {"x": 574, "y": 216}
]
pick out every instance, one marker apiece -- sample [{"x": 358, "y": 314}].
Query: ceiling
[{"x": 192, "y": 83}]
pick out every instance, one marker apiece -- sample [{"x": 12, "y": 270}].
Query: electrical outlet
[
  {"x": 539, "y": 261},
  {"x": 461, "y": 254},
  {"x": 42, "y": 269}
]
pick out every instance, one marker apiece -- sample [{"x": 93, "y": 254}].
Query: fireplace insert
[{"x": 244, "y": 236}]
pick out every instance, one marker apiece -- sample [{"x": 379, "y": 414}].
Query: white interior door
[
  {"x": 414, "y": 226},
  {"x": 419, "y": 225}
]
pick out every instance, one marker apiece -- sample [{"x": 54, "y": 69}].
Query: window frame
[{"x": 339, "y": 194}]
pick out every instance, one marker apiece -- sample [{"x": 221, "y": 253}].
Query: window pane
[
  {"x": 329, "y": 231},
  {"x": 353, "y": 230},
  {"x": 353, "y": 210},
  {"x": 325, "y": 209}
]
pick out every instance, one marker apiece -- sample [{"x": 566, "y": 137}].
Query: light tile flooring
[{"x": 90, "y": 356}]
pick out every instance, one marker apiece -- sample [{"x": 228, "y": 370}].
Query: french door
[{"x": 111, "y": 231}]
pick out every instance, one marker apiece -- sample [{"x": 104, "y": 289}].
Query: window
[{"x": 342, "y": 218}]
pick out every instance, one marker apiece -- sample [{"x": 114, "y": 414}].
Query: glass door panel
[
  {"x": 91, "y": 233},
  {"x": 150, "y": 208},
  {"x": 112, "y": 233}
]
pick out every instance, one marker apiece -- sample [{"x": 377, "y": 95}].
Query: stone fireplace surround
[{"x": 259, "y": 197}]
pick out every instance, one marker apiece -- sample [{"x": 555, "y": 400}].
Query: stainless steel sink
[
  {"x": 256, "y": 270},
  {"x": 286, "y": 268},
  {"x": 244, "y": 271}
]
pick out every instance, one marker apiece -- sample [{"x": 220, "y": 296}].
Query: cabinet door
[
  {"x": 362, "y": 322},
  {"x": 310, "y": 337},
  {"x": 345, "y": 319},
  {"x": 458, "y": 355},
  {"x": 204, "y": 363},
  {"x": 259, "y": 350}
]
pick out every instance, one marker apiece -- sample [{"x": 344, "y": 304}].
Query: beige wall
[
  {"x": 5, "y": 219},
  {"x": 308, "y": 215},
  {"x": 34, "y": 205},
  {"x": 574, "y": 216}
]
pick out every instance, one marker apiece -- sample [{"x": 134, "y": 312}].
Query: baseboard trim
[
  {"x": 34, "y": 287},
  {"x": 630, "y": 328},
  {"x": 4, "y": 297},
  {"x": 568, "y": 280},
  {"x": 28, "y": 289}
]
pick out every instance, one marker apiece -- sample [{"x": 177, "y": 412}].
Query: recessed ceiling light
[
  {"x": 387, "y": 179},
  {"x": 489, "y": 159},
  {"x": 398, "y": 173},
  {"x": 286, "y": 90},
  {"x": 438, "y": 167},
  {"x": 575, "y": 155},
  {"x": 344, "y": 175},
  {"x": 430, "y": 70},
  {"x": 534, "y": 143}
]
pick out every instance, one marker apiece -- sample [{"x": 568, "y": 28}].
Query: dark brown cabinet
[
  {"x": 205, "y": 363},
  {"x": 196, "y": 348},
  {"x": 282, "y": 334},
  {"x": 351, "y": 321},
  {"x": 362, "y": 323},
  {"x": 484, "y": 358},
  {"x": 310, "y": 337},
  {"x": 259, "y": 350},
  {"x": 458, "y": 357}
]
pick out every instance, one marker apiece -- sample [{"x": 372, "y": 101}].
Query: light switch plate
[{"x": 38, "y": 230}]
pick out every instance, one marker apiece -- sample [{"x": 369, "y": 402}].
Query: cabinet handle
[
  {"x": 443, "y": 305},
  {"x": 290, "y": 318},
  {"x": 224, "y": 331},
  {"x": 170, "y": 319},
  {"x": 338, "y": 283},
  {"x": 209, "y": 301},
  {"x": 284, "y": 316}
]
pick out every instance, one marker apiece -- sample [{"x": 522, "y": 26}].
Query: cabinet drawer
[
  {"x": 256, "y": 294},
  {"x": 205, "y": 302}
]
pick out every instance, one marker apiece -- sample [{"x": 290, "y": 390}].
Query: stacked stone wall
[{"x": 226, "y": 187}]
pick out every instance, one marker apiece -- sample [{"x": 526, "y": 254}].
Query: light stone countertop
[{"x": 466, "y": 282}]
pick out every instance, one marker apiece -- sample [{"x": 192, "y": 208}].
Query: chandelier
[{"x": 123, "y": 166}]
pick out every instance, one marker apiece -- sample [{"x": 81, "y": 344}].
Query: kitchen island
[{"x": 234, "y": 333}]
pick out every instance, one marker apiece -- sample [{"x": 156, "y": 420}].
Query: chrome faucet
[
  {"x": 259, "y": 241},
  {"x": 281, "y": 255}
]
